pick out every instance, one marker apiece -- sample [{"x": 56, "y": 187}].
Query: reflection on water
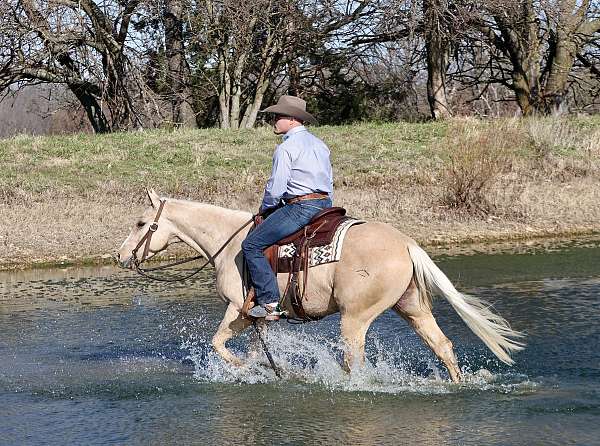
[
  {"x": 98, "y": 356},
  {"x": 90, "y": 286}
]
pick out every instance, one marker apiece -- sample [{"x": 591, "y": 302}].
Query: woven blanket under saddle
[{"x": 317, "y": 243}]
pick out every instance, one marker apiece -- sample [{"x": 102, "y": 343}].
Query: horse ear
[{"x": 154, "y": 198}]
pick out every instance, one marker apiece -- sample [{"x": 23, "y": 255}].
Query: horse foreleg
[
  {"x": 231, "y": 325},
  {"x": 353, "y": 332}
]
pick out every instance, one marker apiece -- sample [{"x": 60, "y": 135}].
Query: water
[{"x": 98, "y": 356}]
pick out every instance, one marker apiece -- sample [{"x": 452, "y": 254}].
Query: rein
[{"x": 148, "y": 237}]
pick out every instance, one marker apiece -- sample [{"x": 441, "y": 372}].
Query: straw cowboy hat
[{"x": 291, "y": 106}]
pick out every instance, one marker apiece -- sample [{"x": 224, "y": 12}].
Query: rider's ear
[{"x": 154, "y": 198}]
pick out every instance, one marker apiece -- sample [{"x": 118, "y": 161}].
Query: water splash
[{"x": 312, "y": 359}]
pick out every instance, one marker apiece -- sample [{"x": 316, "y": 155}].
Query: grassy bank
[
  {"x": 74, "y": 197},
  {"x": 189, "y": 161}
]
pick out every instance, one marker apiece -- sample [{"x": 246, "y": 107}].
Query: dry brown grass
[
  {"x": 563, "y": 149},
  {"x": 491, "y": 165}
]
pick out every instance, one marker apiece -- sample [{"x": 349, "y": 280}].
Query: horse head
[{"x": 151, "y": 233}]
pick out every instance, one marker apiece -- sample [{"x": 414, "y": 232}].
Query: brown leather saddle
[{"x": 318, "y": 232}]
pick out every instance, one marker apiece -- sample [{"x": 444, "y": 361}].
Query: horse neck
[{"x": 206, "y": 228}]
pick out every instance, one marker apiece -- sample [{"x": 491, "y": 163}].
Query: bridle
[
  {"x": 147, "y": 239},
  {"x": 148, "y": 236}
]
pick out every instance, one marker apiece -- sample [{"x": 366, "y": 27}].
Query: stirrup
[
  {"x": 269, "y": 312},
  {"x": 275, "y": 313}
]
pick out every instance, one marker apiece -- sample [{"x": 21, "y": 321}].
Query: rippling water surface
[{"x": 98, "y": 356}]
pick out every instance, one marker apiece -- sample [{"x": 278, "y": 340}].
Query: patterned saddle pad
[{"x": 321, "y": 240}]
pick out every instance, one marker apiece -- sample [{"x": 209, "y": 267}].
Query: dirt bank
[{"x": 83, "y": 231}]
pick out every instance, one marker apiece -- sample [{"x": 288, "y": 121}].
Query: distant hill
[{"x": 40, "y": 110}]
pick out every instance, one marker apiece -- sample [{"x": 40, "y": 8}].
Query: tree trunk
[
  {"x": 522, "y": 91},
  {"x": 252, "y": 110},
  {"x": 519, "y": 32},
  {"x": 556, "y": 86},
  {"x": 294, "y": 75},
  {"x": 236, "y": 92},
  {"x": 224, "y": 92},
  {"x": 570, "y": 29},
  {"x": 92, "y": 109},
  {"x": 437, "y": 43},
  {"x": 176, "y": 63}
]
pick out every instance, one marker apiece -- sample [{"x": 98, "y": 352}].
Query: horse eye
[{"x": 141, "y": 224}]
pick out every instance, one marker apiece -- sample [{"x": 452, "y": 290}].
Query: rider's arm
[{"x": 280, "y": 175}]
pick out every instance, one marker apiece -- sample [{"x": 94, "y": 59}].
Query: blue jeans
[{"x": 281, "y": 223}]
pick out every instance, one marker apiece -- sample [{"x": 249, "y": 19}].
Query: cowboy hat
[{"x": 291, "y": 106}]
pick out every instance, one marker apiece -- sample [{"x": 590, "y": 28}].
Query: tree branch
[{"x": 588, "y": 64}]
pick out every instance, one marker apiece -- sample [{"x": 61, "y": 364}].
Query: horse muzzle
[{"x": 123, "y": 262}]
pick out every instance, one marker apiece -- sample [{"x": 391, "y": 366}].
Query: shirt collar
[{"x": 293, "y": 131}]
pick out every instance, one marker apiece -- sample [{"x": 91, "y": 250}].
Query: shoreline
[{"x": 512, "y": 243}]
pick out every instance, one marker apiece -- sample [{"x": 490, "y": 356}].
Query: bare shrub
[{"x": 478, "y": 158}]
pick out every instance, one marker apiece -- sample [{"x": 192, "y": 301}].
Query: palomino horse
[{"x": 380, "y": 268}]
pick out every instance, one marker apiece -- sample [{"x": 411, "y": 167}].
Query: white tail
[{"x": 492, "y": 329}]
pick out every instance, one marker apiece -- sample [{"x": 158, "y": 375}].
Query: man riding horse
[{"x": 300, "y": 186}]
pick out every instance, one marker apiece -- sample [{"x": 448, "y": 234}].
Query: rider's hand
[{"x": 258, "y": 219}]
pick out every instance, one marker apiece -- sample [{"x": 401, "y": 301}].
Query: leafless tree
[
  {"x": 178, "y": 73},
  {"x": 137, "y": 63},
  {"x": 236, "y": 48},
  {"x": 532, "y": 47},
  {"x": 250, "y": 48},
  {"x": 438, "y": 37},
  {"x": 431, "y": 28},
  {"x": 79, "y": 43}
]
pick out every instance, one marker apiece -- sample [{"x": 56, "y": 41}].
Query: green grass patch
[{"x": 373, "y": 153}]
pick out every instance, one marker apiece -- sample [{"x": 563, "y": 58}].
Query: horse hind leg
[
  {"x": 353, "y": 331},
  {"x": 427, "y": 328},
  {"x": 422, "y": 321}
]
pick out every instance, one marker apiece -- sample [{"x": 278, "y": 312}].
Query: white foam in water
[{"x": 313, "y": 359}]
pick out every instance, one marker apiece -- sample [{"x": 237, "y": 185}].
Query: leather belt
[{"x": 313, "y": 196}]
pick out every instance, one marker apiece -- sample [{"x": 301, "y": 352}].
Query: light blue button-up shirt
[{"x": 300, "y": 166}]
